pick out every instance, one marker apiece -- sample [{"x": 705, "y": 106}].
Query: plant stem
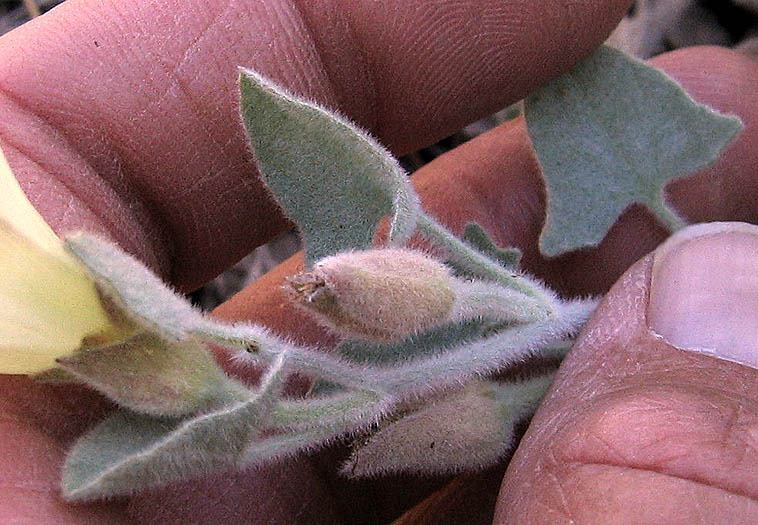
[
  {"x": 344, "y": 407},
  {"x": 482, "y": 356},
  {"x": 407, "y": 210},
  {"x": 260, "y": 348},
  {"x": 523, "y": 398},
  {"x": 424, "y": 375},
  {"x": 669, "y": 217}
]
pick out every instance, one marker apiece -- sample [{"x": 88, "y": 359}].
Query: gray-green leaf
[
  {"x": 129, "y": 452},
  {"x": 138, "y": 298},
  {"x": 135, "y": 291},
  {"x": 330, "y": 177},
  {"x": 612, "y": 132},
  {"x": 420, "y": 345},
  {"x": 475, "y": 236}
]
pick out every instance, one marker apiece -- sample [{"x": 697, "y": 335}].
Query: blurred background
[{"x": 651, "y": 27}]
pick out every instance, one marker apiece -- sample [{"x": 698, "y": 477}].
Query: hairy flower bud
[
  {"x": 382, "y": 295},
  {"x": 465, "y": 430}
]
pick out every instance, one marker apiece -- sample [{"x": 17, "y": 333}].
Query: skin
[{"x": 120, "y": 118}]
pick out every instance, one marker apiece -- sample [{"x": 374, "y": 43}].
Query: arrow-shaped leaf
[
  {"x": 330, "y": 177},
  {"x": 612, "y": 132}
]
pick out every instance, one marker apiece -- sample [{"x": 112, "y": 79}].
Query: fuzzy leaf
[
  {"x": 152, "y": 376},
  {"x": 138, "y": 297},
  {"x": 135, "y": 290},
  {"x": 476, "y": 237},
  {"x": 129, "y": 452},
  {"x": 355, "y": 415},
  {"x": 427, "y": 344},
  {"x": 467, "y": 430},
  {"x": 612, "y": 132},
  {"x": 56, "y": 376},
  {"x": 330, "y": 177},
  {"x": 341, "y": 407}
]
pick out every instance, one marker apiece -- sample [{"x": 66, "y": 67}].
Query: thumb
[
  {"x": 653, "y": 417},
  {"x": 704, "y": 291}
]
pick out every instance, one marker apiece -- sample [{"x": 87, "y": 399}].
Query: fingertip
[
  {"x": 428, "y": 86},
  {"x": 625, "y": 400}
]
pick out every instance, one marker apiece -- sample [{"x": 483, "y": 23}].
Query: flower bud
[
  {"x": 381, "y": 295},
  {"x": 463, "y": 431}
]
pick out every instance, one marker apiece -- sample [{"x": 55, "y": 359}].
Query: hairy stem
[
  {"x": 261, "y": 347},
  {"x": 523, "y": 398},
  {"x": 669, "y": 217},
  {"x": 407, "y": 210},
  {"x": 344, "y": 407},
  {"x": 483, "y": 356},
  {"x": 428, "y": 374}
]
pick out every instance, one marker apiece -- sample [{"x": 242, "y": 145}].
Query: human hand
[{"x": 167, "y": 175}]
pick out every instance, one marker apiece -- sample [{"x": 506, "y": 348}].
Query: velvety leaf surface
[
  {"x": 128, "y": 452},
  {"x": 468, "y": 429},
  {"x": 330, "y": 177},
  {"x": 136, "y": 291},
  {"x": 612, "y": 132}
]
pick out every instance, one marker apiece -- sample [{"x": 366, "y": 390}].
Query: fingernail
[{"x": 704, "y": 291}]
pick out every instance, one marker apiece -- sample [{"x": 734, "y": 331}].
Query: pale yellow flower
[{"x": 49, "y": 304}]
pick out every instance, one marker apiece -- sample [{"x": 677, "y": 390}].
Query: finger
[
  {"x": 37, "y": 423},
  {"x": 287, "y": 492},
  {"x": 122, "y": 116},
  {"x": 641, "y": 425}
]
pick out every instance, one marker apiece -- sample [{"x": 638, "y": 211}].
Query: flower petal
[{"x": 48, "y": 303}]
